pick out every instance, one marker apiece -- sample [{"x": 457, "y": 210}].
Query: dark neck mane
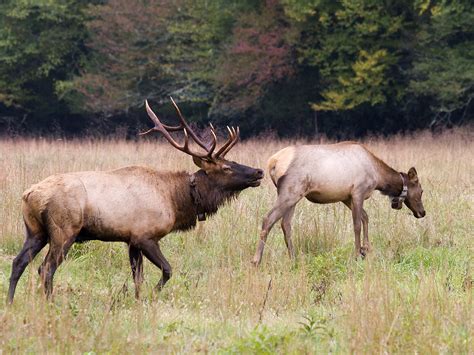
[
  {"x": 206, "y": 198},
  {"x": 210, "y": 196}
]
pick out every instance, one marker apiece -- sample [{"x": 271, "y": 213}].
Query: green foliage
[
  {"x": 41, "y": 43},
  {"x": 356, "y": 45},
  {"x": 341, "y": 67},
  {"x": 151, "y": 50},
  {"x": 300, "y": 10},
  {"x": 198, "y": 34},
  {"x": 438, "y": 260},
  {"x": 444, "y": 64},
  {"x": 330, "y": 266},
  {"x": 363, "y": 87},
  {"x": 327, "y": 268},
  {"x": 259, "y": 341},
  {"x": 315, "y": 326},
  {"x": 129, "y": 62}
]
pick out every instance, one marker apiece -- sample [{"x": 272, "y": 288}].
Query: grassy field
[{"x": 413, "y": 294}]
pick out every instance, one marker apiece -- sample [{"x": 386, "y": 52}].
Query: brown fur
[
  {"x": 135, "y": 205},
  {"x": 212, "y": 196}
]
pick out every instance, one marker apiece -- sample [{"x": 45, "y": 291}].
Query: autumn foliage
[{"x": 293, "y": 66}]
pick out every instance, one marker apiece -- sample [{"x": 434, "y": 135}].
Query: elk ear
[
  {"x": 198, "y": 162},
  {"x": 203, "y": 164},
  {"x": 412, "y": 175}
]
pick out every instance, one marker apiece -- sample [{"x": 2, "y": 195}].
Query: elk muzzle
[
  {"x": 419, "y": 214},
  {"x": 256, "y": 178}
]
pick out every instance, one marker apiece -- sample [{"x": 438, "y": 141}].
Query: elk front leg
[
  {"x": 359, "y": 217},
  {"x": 356, "y": 208},
  {"x": 153, "y": 253},
  {"x": 366, "y": 247},
  {"x": 136, "y": 263}
]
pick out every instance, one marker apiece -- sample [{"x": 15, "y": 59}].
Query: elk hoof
[
  {"x": 364, "y": 251},
  {"x": 255, "y": 263}
]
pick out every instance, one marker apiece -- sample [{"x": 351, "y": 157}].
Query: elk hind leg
[
  {"x": 136, "y": 263},
  {"x": 32, "y": 246},
  {"x": 286, "y": 227},
  {"x": 285, "y": 202}
]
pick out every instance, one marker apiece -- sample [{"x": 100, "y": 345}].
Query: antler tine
[
  {"x": 186, "y": 125},
  {"x": 230, "y": 142},
  {"x": 159, "y": 127},
  {"x": 235, "y": 139},
  {"x": 186, "y": 139},
  {"x": 156, "y": 120},
  {"x": 214, "y": 141},
  {"x": 150, "y": 130}
]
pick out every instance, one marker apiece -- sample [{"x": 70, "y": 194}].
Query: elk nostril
[{"x": 259, "y": 173}]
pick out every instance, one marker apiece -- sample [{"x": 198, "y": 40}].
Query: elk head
[
  {"x": 414, "y": 193},
  {"x": 227, "y": 175}
]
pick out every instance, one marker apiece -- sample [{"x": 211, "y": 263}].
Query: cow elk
[
  {"x": 344, "y": 172},
  {"x": 136, "y": 205}
]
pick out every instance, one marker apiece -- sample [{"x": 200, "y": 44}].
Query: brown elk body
[
  {"x": 136, "y": 205},
  {"x": 344, "y": 172}
]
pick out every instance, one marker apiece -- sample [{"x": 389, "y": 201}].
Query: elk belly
[{"x": 328, "y": 196}]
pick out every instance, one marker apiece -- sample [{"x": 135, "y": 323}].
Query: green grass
[{"x": 413, "y": 294}]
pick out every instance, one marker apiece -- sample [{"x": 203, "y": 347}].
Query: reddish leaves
[{"x": 259, "y": 55}]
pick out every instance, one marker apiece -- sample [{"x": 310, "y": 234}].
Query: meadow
[{"x": 412, "y": 294}]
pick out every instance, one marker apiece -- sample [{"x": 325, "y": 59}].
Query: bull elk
[
  {"x": 136, "y": 205},
  {"x": 344, "y": 172}
]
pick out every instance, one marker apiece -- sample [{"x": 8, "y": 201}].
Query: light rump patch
[{"x": 279, "y": 163}]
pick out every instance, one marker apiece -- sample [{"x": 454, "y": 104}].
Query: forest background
[{"x": 293, "y": 67}]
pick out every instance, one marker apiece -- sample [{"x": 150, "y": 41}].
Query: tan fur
[
  {"x": 121, "y": 204},
  {"x": 344, "y": 172},
  {"x": 328, "y": 173},
  {"x": 279, "y": 163}
]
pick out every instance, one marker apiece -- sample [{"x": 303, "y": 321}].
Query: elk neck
[
  {"x": 198, "y": 196},
  {"x": 208, "y": 195},
  {"x": 390, "y": 181}
]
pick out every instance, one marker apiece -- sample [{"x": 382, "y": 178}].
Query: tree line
[{"x": 295, "y": 67}]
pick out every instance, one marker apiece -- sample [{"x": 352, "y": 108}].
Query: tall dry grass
[{"x": 413, "y": 294}]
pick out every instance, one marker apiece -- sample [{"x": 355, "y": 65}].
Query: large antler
[{"x": 165, "y": 130}]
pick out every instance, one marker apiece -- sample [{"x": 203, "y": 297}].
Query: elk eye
[{"x": 226, "y": 168}]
